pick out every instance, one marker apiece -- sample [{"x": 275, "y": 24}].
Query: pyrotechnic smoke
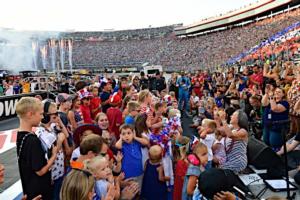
[{"x": 20, "y": 50}]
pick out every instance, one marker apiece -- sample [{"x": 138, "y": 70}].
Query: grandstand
[{"x": 199, "y": 48}]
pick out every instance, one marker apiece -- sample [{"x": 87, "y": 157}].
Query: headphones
[
  {"x": 193, "y": 159},
  {"x": 46, "y": 118}
]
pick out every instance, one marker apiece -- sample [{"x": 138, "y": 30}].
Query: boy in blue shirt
[
  {"x": 130, "y": 146},
  {"x": 133, "y": 110}
]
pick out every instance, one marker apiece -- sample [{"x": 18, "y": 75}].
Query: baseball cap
[{"x": 115, "y": 98}]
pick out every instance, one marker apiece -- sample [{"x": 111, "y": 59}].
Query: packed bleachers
[{"x": 198, "y": 52}]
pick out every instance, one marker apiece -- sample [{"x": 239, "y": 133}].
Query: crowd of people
[
  {"x": 136, "y": 34},
  {"x": 116, "y": 139},
  {"x": 202, "y": 51},
  {"x": 123, "y": 137}
]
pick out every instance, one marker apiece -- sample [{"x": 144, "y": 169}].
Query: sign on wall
[{"x": 8, "y": 104}]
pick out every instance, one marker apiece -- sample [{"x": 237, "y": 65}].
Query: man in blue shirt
[{"x": 183, "y": 83}]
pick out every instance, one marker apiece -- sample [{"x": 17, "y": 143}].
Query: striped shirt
[{"x": 236, "y": 155}]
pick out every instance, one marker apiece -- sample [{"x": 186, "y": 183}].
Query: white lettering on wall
[
  {"x": 1, "y": 108},
  {"x": 10, "y": 107}
]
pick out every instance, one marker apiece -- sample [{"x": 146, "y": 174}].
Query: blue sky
[{"x": 93, "y": 15}]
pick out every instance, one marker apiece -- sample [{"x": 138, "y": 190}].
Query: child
[
  {"x": 207, "y": 135},
  {"x": 74, "y": 114},
  {"x": 154, "y": 186},
  {"x": 142, "y": 130},
  {"x": 114, "y": 115},
  {"x": 133, "y": 109},
  {"x": 80, "y": 133},
  {"x": 197, "y": 162},
  {"x": 194, "y": 100},
  {"x": 219, "y": 149},
  {"x": 52, "y": 130},
  {"x": 132, "y": 155},
  {"x": 33, "y": 165},
  {"x": 106, "y": 86},
  {"x": 173, "y": 96},
  {"x": 181, "y": 166},
  {"x": 85, "y": 98},
  {"x": 174, "y": 124},
  {"x": 90, "y": 146},
  {"x": 95, "y": 105},
  {"x": 157, "y": 122},
  {"x": 99, "y": 167}
]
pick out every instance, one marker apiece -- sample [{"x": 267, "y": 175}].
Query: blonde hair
[
  {"x": 199, "y": 147},
  {"x": 92, "y": 164},
  {"x": 132, "y": 106},
  {"x": 173, "y": 112},
  {"x": 209, "y": 123},
  {"x": 172, "y": 94},
  {"x": 77, "y": 185},
  {"x": 143, "y": 95},
  {"x": 155, "y": 153},
  {"x": 27, "y": 104}
]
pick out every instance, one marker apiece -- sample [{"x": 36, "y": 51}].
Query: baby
[{"x": 99, "y": 168}]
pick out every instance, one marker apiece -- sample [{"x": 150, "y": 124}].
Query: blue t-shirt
[
  {"x": 16, "y": 89},
  {"x": 132, "y": 159},
  {"x": 243, "y": 85},
  {"x": 269, "y": 116},
  {"x": 101, "y": 187},
  {"x": 219, "y": 102},
  {"x": 129, "y": 120},
  {"x": 192, "y": 170},
  {"x": 105, "y": 96}
]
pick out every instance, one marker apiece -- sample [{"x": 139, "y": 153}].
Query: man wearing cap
[
  {"x": 183, "y": 83},
  {"x": 114, "y": 114},
  {"x": 105, "y": 94}
]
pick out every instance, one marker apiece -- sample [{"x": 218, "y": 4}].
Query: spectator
[
  {"x": 77, "y": 185},
  {"x": 276, "y": 109},
  {"x": 35, "y": 175}
]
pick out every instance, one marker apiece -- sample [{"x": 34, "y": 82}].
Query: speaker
[
  {"x": 215, "y": 180},
  {"x": 262, "y": 156}
]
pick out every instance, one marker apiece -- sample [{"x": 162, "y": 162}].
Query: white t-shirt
[
  {"x": 209, "y": 141},
  {"x": 75, "y": 154},
  {"x": 47, "y": 138},
  {"x": 9, "y": 90},
  {"x": 195, "y": 99}
]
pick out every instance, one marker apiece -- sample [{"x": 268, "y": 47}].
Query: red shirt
[
  {"x": 257, "y": 78},
  {"x": 95, "y": 103},
  {"x": 180, "y": 172},
  {"x": 86, "y": 114},
  {"x": 114, "y": 116}
]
